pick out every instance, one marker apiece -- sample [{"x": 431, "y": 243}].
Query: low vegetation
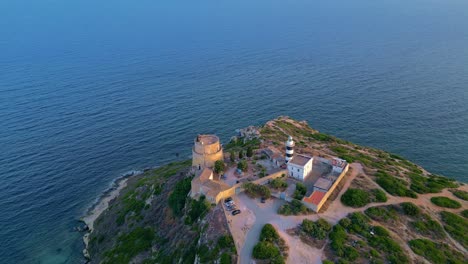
[
  {"x": 243, "y": 165},
  {"x": 271, "y": 246},
  {"x": 456, "y": 226},
  {"x": 464, "y": 213},
  {"x": 461, "y": 194},
  {"x": 382, "y": 213},
  {"x": 256, "y": 190},
  {"x": 355, "y": 198},
  {"x": 295, "y": 207},
  {"x": 436, "y": 252},
  {"x": 179, "y": 195},
  {"x": 129, "y": 245},
  {"x": 197, "y": 209},
  {"x": 410, "y": 209},
  {"x": 428, "y": 227},
  {"x": 431, "y": 184},
  {"x": 300, "y": 191},
  {"x": 445, "y": 202},
  {"x": 393, "y": 185},
  {"x": 278, "y": 183},
  {"x": 317, "y": 230},
  {"x": 354, "y": 238}
]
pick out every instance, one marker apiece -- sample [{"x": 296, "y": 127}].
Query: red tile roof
[{"x": 315, "y": 198}]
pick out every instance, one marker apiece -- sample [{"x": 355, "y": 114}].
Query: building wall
[
  {"x": 317, "y": 207},
  {"x": 207, "y": 160},
  {"x": 206, "y": 148}
]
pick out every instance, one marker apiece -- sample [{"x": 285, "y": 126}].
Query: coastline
[{"x": 101, "y": 205}]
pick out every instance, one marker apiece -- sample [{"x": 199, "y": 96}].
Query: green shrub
[
  {"x": 197, "y": 209},
  {"x": 464, "y": 213},
  {"x": 295, "y": 207},
  {"x": 300, "y": 191},
  {"x": 435, "y": 252},
  {"x": 461, "y": 194},
  {"x": 379, "y": 195},
  {"x": 456, "y": 226},
  {"x": 426, "y": 226},
  {"x": 256, "y": 190},
  {"x": 268, "y": 233},
  {"x": 225, "y": 258},
  {"x": 242, "y": 165},
  {"x": 338, "y": 237},
  {"x": 318, "y": 229},
  {"x": 178, "y": 196},
  {"x": 219, "y": 166},
  {"x": 382, "y": 214},
  {"x": 410, "y": 209},
  {"x": 445, "y": 202},
  {"x": 130, "y": 245},
  {"x": 431, "y": 184},
  {"x": 355, "y": 198},
  {"x": 265, "y": 250},
  {"x": 278, "y": 183},
  {"x": 226, "y": 241}
]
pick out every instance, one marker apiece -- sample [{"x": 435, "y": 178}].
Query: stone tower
[
  {"x": 289, "y": 149},
  {"x": 206, "y": 151}
]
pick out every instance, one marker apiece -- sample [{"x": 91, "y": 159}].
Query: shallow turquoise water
[{"x": 92, "y": 89}]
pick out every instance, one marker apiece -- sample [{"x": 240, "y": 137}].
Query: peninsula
[{"x": 281, "y": 193}]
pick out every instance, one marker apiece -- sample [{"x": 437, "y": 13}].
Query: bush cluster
[
  {"x": 318, "y": 230},
  {"x": 410, "y": 209},
  {"x": 435, "y": 252},
  {"x": 456, "y": 226},
  {"x": 355, "y": 198},
  {"x": 461, "y": 194},
  {"x": 278, "y": 183},
  {"x": 382, "y": 213},
  {"x": 300, "y": 191},
  {"x": 256, "y": 190},
  {"x": 445, "y": 202},
  {"x": 394, "y": 186},
  {"x": 271, "y": 246},
  {"x": 295, "y": 207},
  {"x": 129, "y": 245},
  {"x": 431, "y": 184},
  {"x": 178, "y": 196}
]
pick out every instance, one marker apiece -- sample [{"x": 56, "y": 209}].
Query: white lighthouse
[{"x": 289, "y": 149}]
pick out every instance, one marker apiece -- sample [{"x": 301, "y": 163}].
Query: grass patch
[
  {"x": 445, "y": 202},
  {"x": 435, "y": 252},
  {"x": 456, "y": 226}
]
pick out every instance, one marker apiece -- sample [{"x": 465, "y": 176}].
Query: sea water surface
[{"x": 92, "y": 89}]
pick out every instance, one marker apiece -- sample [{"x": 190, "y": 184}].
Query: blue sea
[{"x": 92, "y": 89}]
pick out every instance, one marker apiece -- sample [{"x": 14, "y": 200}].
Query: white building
[{"x": 300, "y": 166}]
